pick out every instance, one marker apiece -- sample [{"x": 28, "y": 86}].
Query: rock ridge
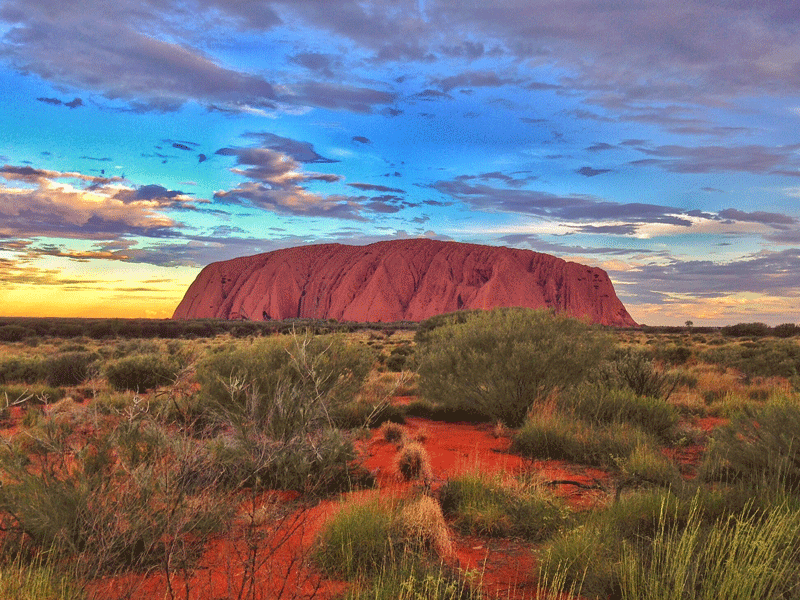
[{"x": 398, "y": 280}]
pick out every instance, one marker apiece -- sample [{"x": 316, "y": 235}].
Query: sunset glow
[{"x": 143, "y": 140}]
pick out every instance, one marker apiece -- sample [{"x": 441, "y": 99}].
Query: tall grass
[
  {"x": 37, "y": 581},
  {"x": 490, "y": 505},
  {"x": 744, "y": 557},
  {"x": 560, "y": 436},
  {"x": 759, "y": 447}
]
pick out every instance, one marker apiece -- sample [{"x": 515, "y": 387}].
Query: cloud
[
  {"x": 368, "y": 187},
  {"x": 74, "y": 103},
  {"x": 338, "y": 96},
  {"x": 538, "y": 244},
  {"x": 754, "y": 159},
  {"x": 473, "y": 79},
  {"x": 105, "y": 208},
  {"x": 317, "y": 62},
  {"x": 278, "y": 183},
  {"x": 574, "y": 207},
  {"x": 361, "y": 139},
  {"x": 763, "y": 273},
  {"x": 766, "y": 218},
  {"x": 600, "y": 147},
  {"x": 591, "y": 172},
  {"x": 300, "y": 151}
]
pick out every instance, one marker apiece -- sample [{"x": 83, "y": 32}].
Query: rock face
[{"x": 397, "y": 280}]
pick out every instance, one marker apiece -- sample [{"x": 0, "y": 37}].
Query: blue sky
[{"x": 659, "y": 140}]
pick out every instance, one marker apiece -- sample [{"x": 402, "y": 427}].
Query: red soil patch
[{"x": 282, "y": 567}]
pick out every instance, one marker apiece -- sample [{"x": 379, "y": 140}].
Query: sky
[{"x": 656, "y": 139}]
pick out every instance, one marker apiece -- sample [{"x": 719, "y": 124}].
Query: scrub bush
[
  {"x": 488, "y": 505},
  {"x": 141, "y": 372},
  {"x": 69, "y": 368},
  {"x": 600, "y": 404},
  {"x": 323, "y": 372},
  {"x": 498, "y": 364},
  {"x": 759, "y": 447}
]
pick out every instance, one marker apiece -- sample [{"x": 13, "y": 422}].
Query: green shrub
[
  {"x": 315, "y": 464},
  {"x": 107, "y": 519},
  {"x": 498, "y": 364},
  {"x": 141, "y": 372},
  {"x": 22, "y": 370},
  {"x": 15, "y": 333},
  {"x": 766, "y": 358},
  {"x": 760, "y": 447},
  {"x": 563, "y": 437},
  {"x": 324, "y": 371},
  {"x": 490, "y": 506},
  {"x": 600, "y": 404},
  {"x": 633, "y": 368},
  {"x": 69, "y": 368}
]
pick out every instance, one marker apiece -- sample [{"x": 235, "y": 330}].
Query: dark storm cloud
[{"x": 591, "y": 172}]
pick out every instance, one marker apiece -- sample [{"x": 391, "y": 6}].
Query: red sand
[{"x": 282, "y": 568}]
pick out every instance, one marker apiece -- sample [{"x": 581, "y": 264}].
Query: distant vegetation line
[{"x": 16, "y": 329}]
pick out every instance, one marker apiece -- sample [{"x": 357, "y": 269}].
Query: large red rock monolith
[{"x": 397, "y": 280}]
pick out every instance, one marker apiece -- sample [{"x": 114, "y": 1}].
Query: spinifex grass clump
[
  {"x": 742, "y": 557},
  {"x": 412, "y": 462},
  {"x": 759, "y": 447},
  {"x": 498, "y": 364},
  {"x": 561, "y": 436},
  {"x": 393, "y": 432},
  {"x": 392, "y": 550},
  {"x": 493, "y": 506},
  {"x": 601, "y": 404}
]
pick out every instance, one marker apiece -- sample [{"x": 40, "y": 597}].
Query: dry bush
[
  {"x": 422, "y": 525},
  {"x": 412, "y": 462},
  {"x": 393, "y": 432}
]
